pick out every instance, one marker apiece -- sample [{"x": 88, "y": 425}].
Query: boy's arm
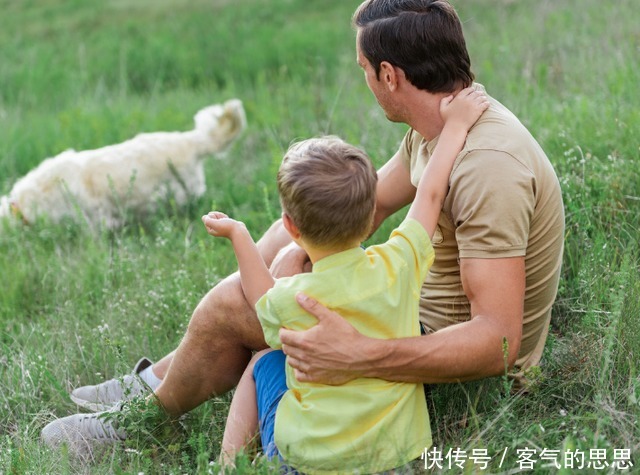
[
  {"x": 459, "y": 114},
  {"x": 254, "y": 274}
]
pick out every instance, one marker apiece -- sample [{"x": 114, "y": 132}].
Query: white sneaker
[
  {"x": 104, "y": 396},
  {"x": 85, "y": 435}
]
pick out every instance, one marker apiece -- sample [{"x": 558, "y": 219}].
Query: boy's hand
[
  {"x": 220, "y": 225},
  {"x": 464, "y": 109}
]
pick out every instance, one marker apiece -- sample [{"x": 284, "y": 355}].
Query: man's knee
[
  {"x": 224, "y": 315},
  {"x": 273, "y": 240},
  {"x": 218, "y": 304}
]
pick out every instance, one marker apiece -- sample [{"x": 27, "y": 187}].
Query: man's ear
[
  {"x": 291, "y": 228},
  {"x": 389, "y": 75}
]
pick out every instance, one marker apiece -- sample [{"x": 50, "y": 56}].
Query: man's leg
[
  {"x": 209, "y": 361},
  {"x": 218, "y": 307},
  {"x": 214, "y": 351},
  {"x": 217, "y": 346},
  {"x": 273, "y": 240}
]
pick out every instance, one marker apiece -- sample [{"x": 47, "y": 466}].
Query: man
[{"x": 487, "y": 300}]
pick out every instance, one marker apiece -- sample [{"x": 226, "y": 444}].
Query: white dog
[{"x": 99, "y": 184}]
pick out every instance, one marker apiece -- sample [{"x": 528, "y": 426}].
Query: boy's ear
[{"x": 289, "y": 225}]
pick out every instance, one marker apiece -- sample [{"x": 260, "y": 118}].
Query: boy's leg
[{"x": 241, "y": 429}]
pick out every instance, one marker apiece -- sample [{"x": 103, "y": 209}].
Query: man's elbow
[
  {"x": 381, "y": 213},
  {"x": 512, "y": 343},
  {"x": 509, "y": 351}
]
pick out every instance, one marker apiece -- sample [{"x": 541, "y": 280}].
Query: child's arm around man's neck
[{"x": 459, "y": 114}]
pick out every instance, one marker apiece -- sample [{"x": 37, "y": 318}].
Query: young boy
[{"x": 327, "y": 192}]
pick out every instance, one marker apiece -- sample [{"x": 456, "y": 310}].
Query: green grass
[{"x": 79, "y": 305}]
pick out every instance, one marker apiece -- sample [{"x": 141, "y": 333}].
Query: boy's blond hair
[{"x": 328, "y": 189}]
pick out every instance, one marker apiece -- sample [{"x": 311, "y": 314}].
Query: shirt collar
[{"x": 339, "y": 259}]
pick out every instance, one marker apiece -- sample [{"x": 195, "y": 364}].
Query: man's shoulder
[{"x": 500, "y": 129}]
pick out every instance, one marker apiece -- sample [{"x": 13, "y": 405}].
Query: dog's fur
[{"x": 99, "y": 184}]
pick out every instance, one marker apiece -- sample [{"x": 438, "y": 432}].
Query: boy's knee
[{"x": 259, "y": 355}]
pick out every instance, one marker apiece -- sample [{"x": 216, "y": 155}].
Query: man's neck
[{"x": 424, "y": 114}]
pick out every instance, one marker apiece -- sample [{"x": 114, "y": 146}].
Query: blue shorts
[{"x": 271, "y": 384}]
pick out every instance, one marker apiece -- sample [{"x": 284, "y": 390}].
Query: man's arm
[
  {"x": 254, "y": 275},
  {"x": 394, "y": 190},
  {"x": 334, "y": 352}
]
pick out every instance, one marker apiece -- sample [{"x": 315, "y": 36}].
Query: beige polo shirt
[{"x": 504, "y": 201}]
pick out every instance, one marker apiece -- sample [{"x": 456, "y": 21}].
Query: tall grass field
[{"x": 79, "y": 305}]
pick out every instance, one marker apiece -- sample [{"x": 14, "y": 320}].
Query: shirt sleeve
[
  {"x": 491, "y": 200},
  {"x": 410, "y": 245},
  {"x": 269, "y": 319}
]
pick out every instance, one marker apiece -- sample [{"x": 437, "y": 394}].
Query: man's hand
[
  {"x": 326, "y": 352},
  {"x": 290, "y": 260},
  {"x": 220, "y": 225}
]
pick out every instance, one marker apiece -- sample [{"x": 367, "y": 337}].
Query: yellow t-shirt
[
  {"x": 369, "y": 424},
  {"x": 504, "y": 200}
]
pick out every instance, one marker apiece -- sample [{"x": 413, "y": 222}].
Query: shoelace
[{"x": 98, "y": 428}]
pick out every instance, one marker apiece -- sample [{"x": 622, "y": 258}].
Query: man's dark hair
[{"x": 422, "y": 37}]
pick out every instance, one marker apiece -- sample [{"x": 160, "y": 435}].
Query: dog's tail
[{"x": 221, "y": 123}]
